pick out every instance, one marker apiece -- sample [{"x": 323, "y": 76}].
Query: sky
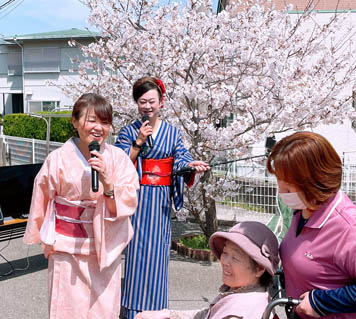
[{"x": 35, "y": 16}]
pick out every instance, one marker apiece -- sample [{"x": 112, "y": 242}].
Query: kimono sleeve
[
  {"x": 112, "y": 234},
  {"x": 126, "y": 186},
  {"x": 41, "y": 194},
  {"x": 181, "y": 159},
  {"x": 124, "y": 140},
  {"x": 181, "y": 155}
]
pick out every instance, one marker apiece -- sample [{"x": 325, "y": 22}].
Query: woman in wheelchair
[
  {"x": 318, "y": 252},
  {"x": 248, "y": 255}
]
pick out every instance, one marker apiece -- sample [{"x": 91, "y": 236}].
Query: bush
[
  {"x": 22, "y": 125},
  {"x": 196, "y": 242}
]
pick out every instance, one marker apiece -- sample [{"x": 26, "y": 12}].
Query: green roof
[
  {"x": 4, "y": 42},
  {"x": 62, "y": 34}
]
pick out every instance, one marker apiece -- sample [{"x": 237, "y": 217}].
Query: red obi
[{"x": 157, "y": 171}]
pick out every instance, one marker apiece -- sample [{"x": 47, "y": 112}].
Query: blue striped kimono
[{"x": 147, "y": 255}]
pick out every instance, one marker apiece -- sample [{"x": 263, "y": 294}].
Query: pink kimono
[{"x": 82, "y": 241}]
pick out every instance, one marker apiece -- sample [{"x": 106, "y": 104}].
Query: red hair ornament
[{"x": 162, "y": 89}]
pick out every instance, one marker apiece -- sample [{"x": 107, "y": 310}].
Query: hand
[
  {"x": 199, "y": 166},
  {"x": 98, "y": 163},
  {"x": 145, "y": 130},
  {"x": 160, "y": 314},
  {"x": 305, "y": 307}
]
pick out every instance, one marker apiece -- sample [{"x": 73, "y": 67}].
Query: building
[{"x": 29, "y": 62}]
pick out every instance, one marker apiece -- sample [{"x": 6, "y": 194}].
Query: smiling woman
[
  {"x": 248, "y": 255},
  {"x": 84, "y": 231}
]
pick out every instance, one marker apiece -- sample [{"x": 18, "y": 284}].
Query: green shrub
[
  {"x": 22, "y": 125},
  {"x": 196, "y": 242}
]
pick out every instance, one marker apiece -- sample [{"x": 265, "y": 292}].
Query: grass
[
  {"x": 196, "y": 242},
  {"x": 246, "y": 206}
]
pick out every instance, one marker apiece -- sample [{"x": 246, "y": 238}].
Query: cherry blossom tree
[{"x": 274, "y": 72}]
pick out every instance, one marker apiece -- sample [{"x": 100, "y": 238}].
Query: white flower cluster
[{"x": 272, "y": 70}]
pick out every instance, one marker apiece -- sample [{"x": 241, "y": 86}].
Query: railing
[
  {"x": 20, "y": 150},
  {"x": 256, "y": 190}
]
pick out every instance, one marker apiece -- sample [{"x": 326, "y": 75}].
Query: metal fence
[
  {"x": 20, "y": 150},
  {"x": 257, "y": 189},
  {"x": 255, "y": 192}
]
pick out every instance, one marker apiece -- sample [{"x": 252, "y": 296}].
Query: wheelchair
[{"x": 279, "y": 299}]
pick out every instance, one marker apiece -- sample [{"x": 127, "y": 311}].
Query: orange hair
[{"x": 308, "y": 161}]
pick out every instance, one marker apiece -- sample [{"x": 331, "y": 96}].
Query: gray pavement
[{"x": 23, "y": 294}]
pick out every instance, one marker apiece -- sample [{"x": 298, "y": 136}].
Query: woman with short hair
[
  {"x": 83, "y": 230},
  {"x": 318, "y": 251}
]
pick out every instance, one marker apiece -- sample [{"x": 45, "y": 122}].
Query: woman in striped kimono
[{"x": 157, "y": 149}]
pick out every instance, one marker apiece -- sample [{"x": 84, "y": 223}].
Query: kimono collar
[{"x": 226, "y": 290}]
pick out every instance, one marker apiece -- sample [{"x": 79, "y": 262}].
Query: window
[
  {"x": 226, "y": 121},
  {"x": 14, "y": 62},
  {"x": 39, "y": 106},
  {"x": 41, "y": 60}
]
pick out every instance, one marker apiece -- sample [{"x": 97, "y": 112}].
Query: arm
[
  {"x": 106, "y": 178},
  {"x": 318, "y": 302},
  {"x": 124, "y": 184},
  {"x": 340, "y": 300},
  {"x": 127, "y": 136},
  {"x": 184, "y": 158}
]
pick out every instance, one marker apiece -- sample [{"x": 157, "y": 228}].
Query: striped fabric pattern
[{"x": 147, "y": 255}]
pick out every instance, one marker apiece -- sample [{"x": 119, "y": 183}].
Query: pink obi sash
[
  {"x": 68, "y": 218},
  {"x": 71, "y": 222}
]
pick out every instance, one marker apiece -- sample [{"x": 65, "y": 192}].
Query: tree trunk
[
  {"x": 210, "y": 219},
  {"x": 211, "y": 224}
]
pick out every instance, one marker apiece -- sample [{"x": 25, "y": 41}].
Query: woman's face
[
  {"x": 149, "y": 104},
  {"x": 284, "y": 187},
  {"x": 90, "y": 127},
  {"x": 237, "y": 268}
]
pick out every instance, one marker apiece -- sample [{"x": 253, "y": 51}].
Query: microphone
[
  {"x": 149, "y": 137},
  {"x": 94, "y": 146}
]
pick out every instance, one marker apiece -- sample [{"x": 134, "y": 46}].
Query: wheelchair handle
[{"x": 280, "y": 301}]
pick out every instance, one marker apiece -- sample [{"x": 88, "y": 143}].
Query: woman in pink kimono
[{"x": 83, "y": 232}]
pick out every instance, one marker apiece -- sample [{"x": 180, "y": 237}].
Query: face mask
[{"x": 292, "y": 200}]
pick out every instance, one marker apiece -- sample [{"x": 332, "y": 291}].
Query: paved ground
[{"x": 192, "y": 284}]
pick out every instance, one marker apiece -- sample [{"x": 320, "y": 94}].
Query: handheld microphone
[
  {"x": 94, "y": 146},
  {"x": 149, "y": 137}
]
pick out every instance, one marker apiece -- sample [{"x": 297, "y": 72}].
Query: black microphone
[
  {"x": 149, "y": 137},
  {"x": 94, "y": 146}
]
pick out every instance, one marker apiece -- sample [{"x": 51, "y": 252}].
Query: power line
[
  {"x": 8, "y": 9},
  {"x": 6, "y": 4}
]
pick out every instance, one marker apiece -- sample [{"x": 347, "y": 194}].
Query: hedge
[{"x": 23, "y": 125}]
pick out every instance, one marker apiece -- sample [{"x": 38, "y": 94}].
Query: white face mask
[{"x": 292, "y": 200}]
